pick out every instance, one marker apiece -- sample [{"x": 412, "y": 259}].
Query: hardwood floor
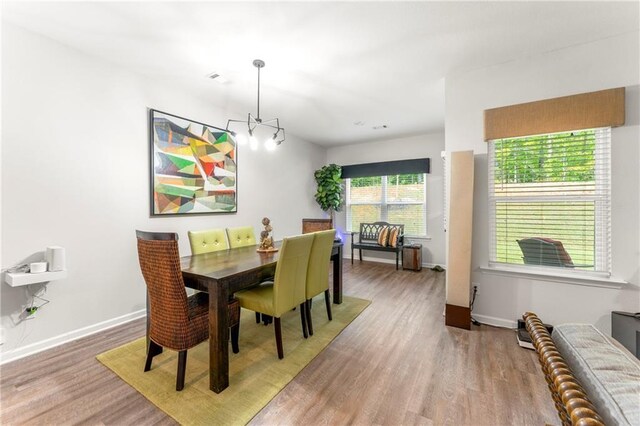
[{"x": 395, "y": 364}]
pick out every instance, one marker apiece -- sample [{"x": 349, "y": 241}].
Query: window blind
[
  {"x": 396, "y": 199},
  {"x": 549, "y": 201}
]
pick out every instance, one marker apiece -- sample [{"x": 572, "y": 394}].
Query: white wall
[
  {"x": 75, "y": 173},
  {"x": 422, "y": 146},
  {"x": 603, "y": 64}
]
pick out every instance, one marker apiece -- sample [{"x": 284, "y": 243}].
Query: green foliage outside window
[
  {"x": 404, "y": 201},
  {"x": 567, "y": 157},
  {"x": 550, "y": 167}
]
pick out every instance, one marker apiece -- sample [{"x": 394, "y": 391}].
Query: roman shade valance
[
  {"x": 604, "y": 108},
  {"x": 387, "y": 168}
]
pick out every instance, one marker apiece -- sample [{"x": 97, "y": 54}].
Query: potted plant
[{"x": 330, "y": 189}]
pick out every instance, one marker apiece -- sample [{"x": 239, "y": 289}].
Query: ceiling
[{"x": 329, "y": 65}]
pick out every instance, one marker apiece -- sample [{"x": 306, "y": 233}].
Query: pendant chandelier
[{"x": 275, "y": 132}]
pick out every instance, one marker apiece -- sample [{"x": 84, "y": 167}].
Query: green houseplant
[{"x": 330, "y": 189}]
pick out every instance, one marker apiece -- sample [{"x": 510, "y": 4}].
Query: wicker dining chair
[{"x": 176, "y": 321}]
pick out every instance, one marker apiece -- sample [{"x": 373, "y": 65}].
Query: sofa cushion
[
  {"x": 608, "y": 372},
  {"x": 393, "y": 237},
  {"x": 383, "y": 236}
]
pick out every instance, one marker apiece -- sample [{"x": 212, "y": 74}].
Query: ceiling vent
[{"x": 217, "y": 77}]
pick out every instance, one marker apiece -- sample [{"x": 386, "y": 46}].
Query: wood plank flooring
[{"x": 395, "y": 364}]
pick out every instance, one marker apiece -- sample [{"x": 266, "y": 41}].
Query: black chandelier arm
[
  {"x": 232, "y": 121},
  {"x": 254, "y": 122},
  {"x": 284, "y": 136}
]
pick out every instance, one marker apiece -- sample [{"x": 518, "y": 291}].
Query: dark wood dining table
[{"x": 221, "y": 274}]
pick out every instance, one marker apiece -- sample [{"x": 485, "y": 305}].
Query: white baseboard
[
  {"x": 389, "y": 261},
  {"x": 34, "y": 348},
  {"x": 496, "y": 322}
]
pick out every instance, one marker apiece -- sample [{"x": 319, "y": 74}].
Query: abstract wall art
[{"x": 193, "y": 167}]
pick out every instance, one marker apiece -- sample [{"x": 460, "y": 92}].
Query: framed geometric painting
[{"x": 193, "y": 167}]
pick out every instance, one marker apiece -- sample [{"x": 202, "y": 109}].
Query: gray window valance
[{"x": 387, "y": 168}]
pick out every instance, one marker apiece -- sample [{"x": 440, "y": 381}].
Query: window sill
[
  {"x": 590, "y": 281},
  {"x": 420, "y": 237}
]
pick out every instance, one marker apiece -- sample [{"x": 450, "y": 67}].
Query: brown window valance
[{"x": 604, "y": 108}]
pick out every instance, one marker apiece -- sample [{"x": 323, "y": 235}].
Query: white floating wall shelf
[{"x": 20, "y": 278}]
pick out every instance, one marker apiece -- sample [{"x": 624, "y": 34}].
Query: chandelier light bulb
[
  {"x": 270, "y": 144},
  {"x": 241, "y": 139},
  {"x": 253, "y": 142}
]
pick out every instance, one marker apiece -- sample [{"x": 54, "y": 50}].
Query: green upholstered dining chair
[
  {"x": 318, "y": 272},
  {"x": 175, "y": 321},
  {"x": 287, "y": 290},
  {"x": 207, "y": 241},
  {"x": 241, "y": 236}
]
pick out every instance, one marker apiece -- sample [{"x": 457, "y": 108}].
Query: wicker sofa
[{"x": 592, "y": 378}]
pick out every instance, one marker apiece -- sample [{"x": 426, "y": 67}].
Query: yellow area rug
[{"x": 256, "y": 375}]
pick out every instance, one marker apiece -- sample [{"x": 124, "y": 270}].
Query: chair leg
[
  {"x": 257, "y": 317},
  {"x": 327, "y": 302},
  {"x": 352, "y": 254},
  {"x": 278, "y": 329},
  {"x": 360, "y": 253},
  {"x": 235, "y": 336},
  {"x": 267, "y": 319},
  {"x": 308, "y": 313},
  {"x": 182, "y": 368},
  {"x": 397, "y": 254},
  {"x": 303, "y": 318},
  {"x": 153, "y": 350}
]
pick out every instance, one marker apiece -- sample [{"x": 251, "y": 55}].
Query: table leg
[
  {"x": 337, "y": 276},
  {"x": 218, "y": 336}
]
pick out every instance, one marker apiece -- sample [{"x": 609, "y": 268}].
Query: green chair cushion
[
  {"x": 288, "y": 289},
  {"x": 207, "y": 241},
  {"x": 241, "y": 236},
  {"x": 258, "y": 299}
]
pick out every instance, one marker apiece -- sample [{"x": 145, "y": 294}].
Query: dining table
[{"x": 222, "y": 273}]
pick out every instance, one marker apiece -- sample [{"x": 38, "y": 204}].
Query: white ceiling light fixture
[{"x": 273, "y": 125}]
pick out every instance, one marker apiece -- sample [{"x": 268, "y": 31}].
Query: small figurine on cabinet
[{"x": 266, "y": 241}]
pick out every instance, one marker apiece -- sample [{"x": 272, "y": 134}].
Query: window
[
  {"x": 394, "y": 199},
  {"x": 549, "y": 201}
]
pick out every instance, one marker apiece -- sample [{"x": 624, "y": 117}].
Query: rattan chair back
[{"x": 160, "y": 264}]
